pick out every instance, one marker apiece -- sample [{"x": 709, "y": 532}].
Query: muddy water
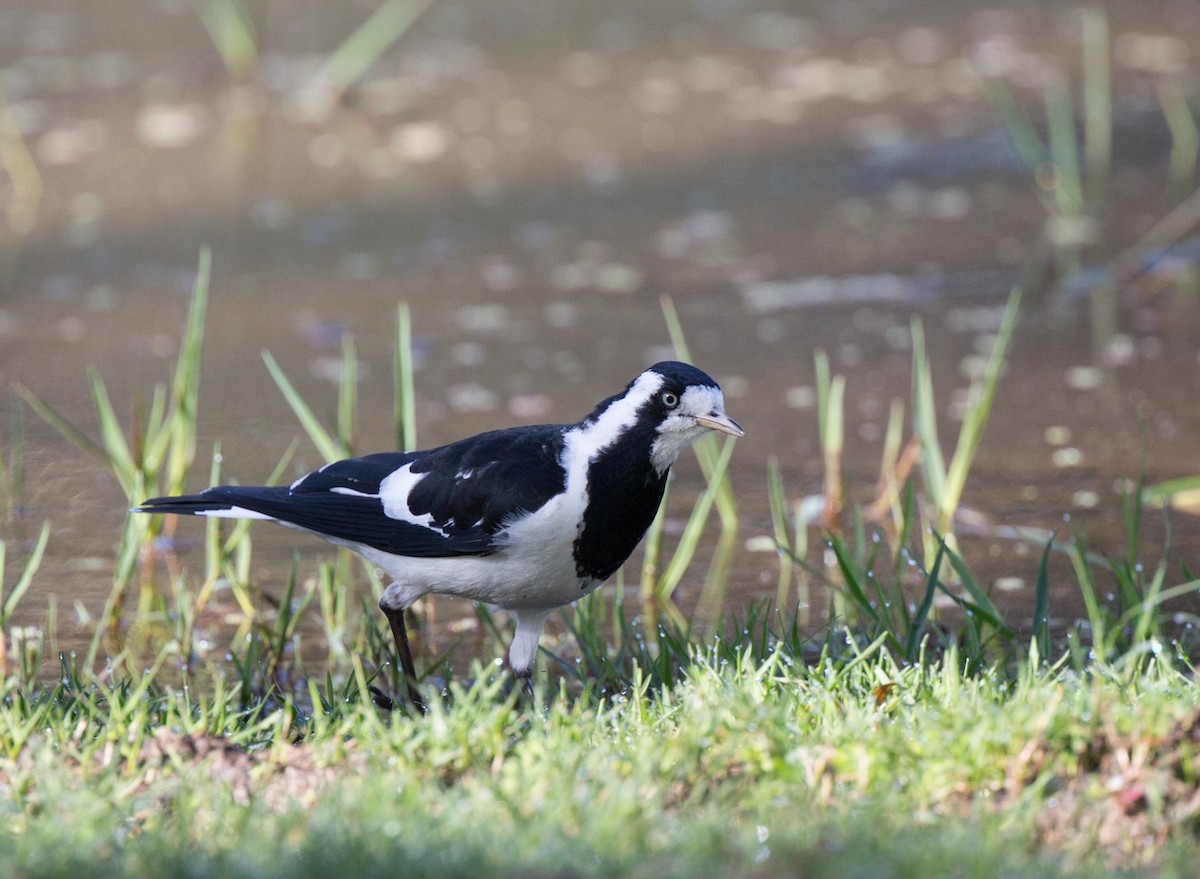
[{"x": 532, "y": 178}]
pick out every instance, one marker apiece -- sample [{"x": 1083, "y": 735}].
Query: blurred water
[{"x": 532, "y": 177}]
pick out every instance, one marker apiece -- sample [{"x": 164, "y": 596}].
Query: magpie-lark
[{"x": 528, "y": 518}]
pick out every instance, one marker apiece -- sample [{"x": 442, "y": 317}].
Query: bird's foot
[
  {"x": 382, "y": 700},
  {"x": 388, "y": 703},
  {"x": 525, "y": 681}
]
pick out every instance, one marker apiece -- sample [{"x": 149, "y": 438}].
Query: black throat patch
[{"x": 623, "y": 492}]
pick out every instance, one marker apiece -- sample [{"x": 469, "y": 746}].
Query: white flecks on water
[
  {"x": 471, "y": 397},
  {"x": 171, "y": 126},
  {"x": 1057, "y": 435},
  {"x": 1084, "y": 378},
  {"x": 1068, "y": 456},
  {"x": 800, "y": 397}
]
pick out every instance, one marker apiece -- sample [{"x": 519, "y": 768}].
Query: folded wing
[{"x": 453, "y": 500}]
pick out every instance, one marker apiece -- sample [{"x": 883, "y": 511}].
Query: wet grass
[
  {"x": 750, "y": 763},
  {"x": 200, "y": 736}
]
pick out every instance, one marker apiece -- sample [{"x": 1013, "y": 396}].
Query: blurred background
[{"x": 532, "y": 177}]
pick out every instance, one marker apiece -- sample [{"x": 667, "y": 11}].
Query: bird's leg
[
  {"x": 523, "y": 650},
  {"x": 395, "y": 618},
  {"x": 525, "y": 682}
]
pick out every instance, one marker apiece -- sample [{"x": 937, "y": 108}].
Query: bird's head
[
  {"x": 683, "y": 403},
  {"x": 668, "y": 407}
]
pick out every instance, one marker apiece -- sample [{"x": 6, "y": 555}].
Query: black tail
[{"x": 223, "y": 499}]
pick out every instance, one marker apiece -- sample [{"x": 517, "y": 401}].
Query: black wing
[{"x": 465, "y": 494}]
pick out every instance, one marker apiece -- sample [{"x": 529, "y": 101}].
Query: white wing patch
[
  {"x": 235, "y": 513},
  {"x": 394, "y": 492},
  {"x": 341, "y": 489}
]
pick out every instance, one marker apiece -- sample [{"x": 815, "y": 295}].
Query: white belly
[{"x": 534, "y": 571}]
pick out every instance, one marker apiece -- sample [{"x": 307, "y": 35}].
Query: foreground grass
[{"x": 765, "y": 768}]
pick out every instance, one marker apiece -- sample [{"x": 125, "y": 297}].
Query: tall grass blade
[
  {"x": 233, "y": 33},
  {"x": 933, "y": 465},
  {"x": 777, "y": 499},
  {"x": 1097, "y": 103},
  {"x": 185, "y": 386},
  {"x": 979, "y": 406},
  {"x": 1084, "y": 578},
  {"x": 60, "y": 423},
  {"x": 350, "y": 61},
  {"x": 851, "y": 579},
  {"x": 112, "y": 437},
  {"x": 981, "y": 603},
  {"x": 12, "y": 462},
  {"x": 1041, "y": 604},
  {"x": 689, "y": 541},
  {"x": 706, "y": 449},
  {"x": 652, "y": 562},
  {"x": 1020, "y": 130},
  {"x": 1185, "y": 133},
  {"x": 718, "y": 492},
  {"x": 831, "y": 392},
  {"x": 917, "y": 624},
  {"x": 1064, "y": 147},
  {"x": 347, "y": 395},
  {"x": 406, "y": 396},
  {"x": 32, "y": 563},
  {"x": 1162, "y": 492},
  {"x": 327, "y": 446},
  {"x": 24, "y": 191}
]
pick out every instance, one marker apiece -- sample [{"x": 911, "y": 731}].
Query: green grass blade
[
  {"x": 185, "y": 386},
  {"x": 933, "y": 465},
  {"x": 1064, "y": 146},
  {"x": 1041, "y": 604},
  {"x": 831, "y": 394},
  {"x": 406, "y": 395},
  {"x": 777, "y": 500},
  {"x": 1145, "y": 613},
  {"x": 60, "y": 423},
  {"x": 1185, "y": 133},
  {"x": 347, "y": 395},
  {"x": 12, "y": 462},
  {"x": 1162, "y": 492},
  {"x": 326, "y": 445},
  {"x": 1020, "y": 130},
  {"x": 112, "y": 437},
  {"x": 981, "y": 602},
  {"x": 913, "y": 642},
  {"x": 652, "y": 550},
  {"x": 690, "y": 539},
  {"x": 350, "y": 61},
  {"x": 233, "y": 34},
  {"x": 1097, "y": 102},
  {"x": 1081, "y": 565},
  {"x": 849, "y": 574},
  {"x": 32, "y": 563},
  {"x": 979, "y": 407},
  {"x": 706, "y": 449}
]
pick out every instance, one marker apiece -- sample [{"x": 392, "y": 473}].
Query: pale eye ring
[{"x": 669, "y": 400}]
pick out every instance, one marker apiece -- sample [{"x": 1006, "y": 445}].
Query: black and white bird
[{"x": 528, "y": 518}]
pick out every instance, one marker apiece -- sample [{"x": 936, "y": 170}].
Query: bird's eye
[{"x": 669, "y": 400}]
